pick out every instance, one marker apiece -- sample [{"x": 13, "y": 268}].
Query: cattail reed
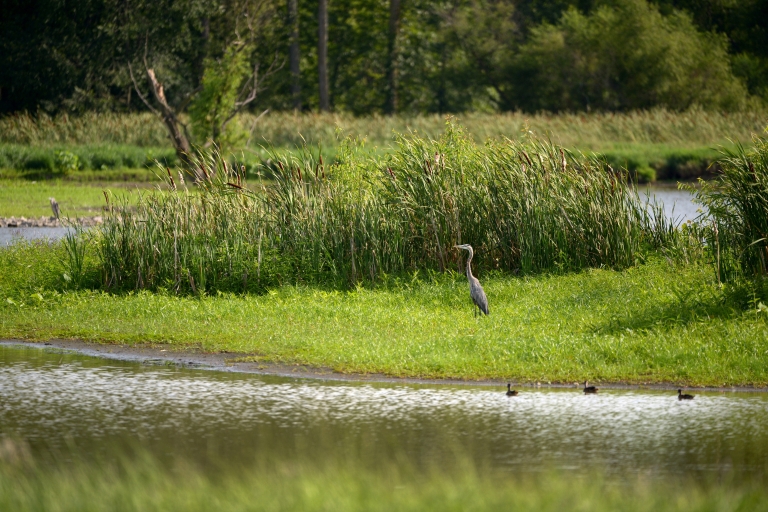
[{"x": 526, "y": 207}]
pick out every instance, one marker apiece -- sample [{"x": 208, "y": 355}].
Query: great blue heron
[
  {"x": 54, "y": 207},
  {"x": 589, "y": 390},
  {"x": 475, "y": 290},
  {"x": 681, "y": 396}
]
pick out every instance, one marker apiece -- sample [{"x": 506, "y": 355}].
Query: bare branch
[
  {"x": 136, "y": 88},
  {"x": 254, "y": 89},
  {"x": 253, "y": 126}
]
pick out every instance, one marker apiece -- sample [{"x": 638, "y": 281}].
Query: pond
[
  {"x": 65, "y": 403},
  {"x": 678, "y": 204}
]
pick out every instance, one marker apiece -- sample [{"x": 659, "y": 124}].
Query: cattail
[{"x": 170, "y": 176}]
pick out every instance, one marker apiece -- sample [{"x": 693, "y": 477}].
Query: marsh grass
[
  {"x": 694, "y": 127},
  {"x": 736, "y": 226},
  {"x": 525, "y": 207}
]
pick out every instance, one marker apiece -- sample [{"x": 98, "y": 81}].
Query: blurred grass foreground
[{"x": 141, "y": 483}]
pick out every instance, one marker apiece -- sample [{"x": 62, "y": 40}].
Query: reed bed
[
  {"x": 736, "y": 226},
  {"x": 694, "y": 127},
  {"x": 525, "y": 206}
]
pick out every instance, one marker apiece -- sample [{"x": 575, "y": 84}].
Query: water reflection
[{"x": 59, "y": 400}]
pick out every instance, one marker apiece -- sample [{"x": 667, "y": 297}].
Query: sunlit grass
[{"x": 651, "y": 323}]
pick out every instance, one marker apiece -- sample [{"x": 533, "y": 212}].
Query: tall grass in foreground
[
  {"x": 737, "y": 202},
  {"x": 525, "y": 207},
  {"x": 143, "y": 485}
]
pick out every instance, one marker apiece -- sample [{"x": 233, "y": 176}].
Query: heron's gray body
[{"x": 475, "y": 290}]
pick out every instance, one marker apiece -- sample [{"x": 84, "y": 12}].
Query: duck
[
  {"x": 589, "y": 390},
  {"x": 681, "y": 396},
  {"x": 510, "y": 391}
]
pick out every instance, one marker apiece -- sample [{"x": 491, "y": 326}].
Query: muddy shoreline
[{"x": 231, "y": 362}]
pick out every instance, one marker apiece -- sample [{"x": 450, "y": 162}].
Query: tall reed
[
  {"x": 525, "y": 206},
  {"x": 737, "y": 219}
]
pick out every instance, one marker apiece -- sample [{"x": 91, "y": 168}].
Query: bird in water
[
  {"x": 475, "y": 290},
  {"x": 589, "y": 390},
  {"x": 681, "y": 396},
  {"x": 510, "y": 391}
]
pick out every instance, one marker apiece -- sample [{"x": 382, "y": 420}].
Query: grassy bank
[
  {"x": 142, "y": 485},
  {"x": 30, "y": 198},
  {"x": 651, "y": 323}
]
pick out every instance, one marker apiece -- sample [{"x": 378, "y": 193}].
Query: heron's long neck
[{"x": 469, "y": 264}]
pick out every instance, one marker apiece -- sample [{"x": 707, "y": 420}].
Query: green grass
[
  {"x": 650, "y": 323},
  {"x": 142, "y": 485},
  {"x": 30, "y": 198}
]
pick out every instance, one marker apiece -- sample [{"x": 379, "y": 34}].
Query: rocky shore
[{"x": 48, "y": 222}]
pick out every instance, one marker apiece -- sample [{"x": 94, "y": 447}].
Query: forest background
[{"x": 382, "y": 57}]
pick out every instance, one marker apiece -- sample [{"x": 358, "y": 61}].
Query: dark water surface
[{"x": 65, "y": 403}]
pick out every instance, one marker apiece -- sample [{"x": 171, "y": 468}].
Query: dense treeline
[{"x": 384, "y": 56}]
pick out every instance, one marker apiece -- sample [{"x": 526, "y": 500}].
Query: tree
[
  {"x": 394, "y": 27},
  {"x": 295, "y": 60},
  {"x": 624, "y": 56},
  {"x": 322, "y": 54}
]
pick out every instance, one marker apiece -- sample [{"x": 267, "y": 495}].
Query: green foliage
[
  {"x": 215, "y": 104},
  {"x": 66, "y": 162},
  {"x": 625, "y": 55},
  {"x": 69, "y": 159},
  {"x": 458, "y": 56}
]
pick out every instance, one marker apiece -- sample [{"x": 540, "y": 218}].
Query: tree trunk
[
  {"x": 322, "y": 54},
  {"x": 293, "y": 21},
  {"x": 390, "y": 106},
  {"x": 178, "y": 139}
]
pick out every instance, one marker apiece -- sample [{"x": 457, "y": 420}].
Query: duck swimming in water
[
  {"x": 681, "y": 396},
  {"x": 510, "y": 391},
  {"x": 589, "y": 390}
]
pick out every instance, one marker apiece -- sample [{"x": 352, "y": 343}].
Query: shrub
[{"x": 625, "y": 55}]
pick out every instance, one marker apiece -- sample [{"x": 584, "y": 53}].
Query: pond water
[
  {"x": 678, "y": 204},
  {"x": 64, "y": 403},
  {"x": 8, "y": 235}
]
